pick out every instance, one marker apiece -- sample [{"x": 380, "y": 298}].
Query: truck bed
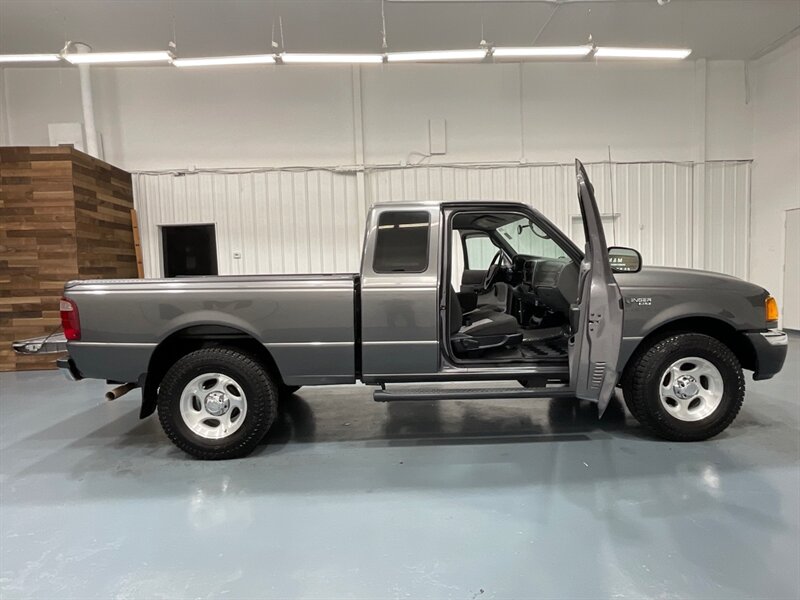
[{"x": 307, "y": 322}]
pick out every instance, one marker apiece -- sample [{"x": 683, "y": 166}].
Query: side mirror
[{"x": 624, "y": 260}]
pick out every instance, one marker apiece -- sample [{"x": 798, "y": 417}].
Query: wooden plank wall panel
[
  {"x": 63, "y": 215},
  {"x": 103, "y": 204},
  {"x": 38, "y": 248},
  {"x": 137, "y": 244}
]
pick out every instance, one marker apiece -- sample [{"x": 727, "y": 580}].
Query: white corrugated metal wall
[
  {"x": 280, "y": 221},
  {"x": 311, "y": 220}
]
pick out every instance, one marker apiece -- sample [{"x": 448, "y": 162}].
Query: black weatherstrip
[{"x": 357, "y": 324}]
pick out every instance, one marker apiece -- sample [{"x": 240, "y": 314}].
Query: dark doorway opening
[{"x": 189, "y": 250}]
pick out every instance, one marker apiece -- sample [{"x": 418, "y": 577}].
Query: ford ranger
[{"x": 449, "y": 291}]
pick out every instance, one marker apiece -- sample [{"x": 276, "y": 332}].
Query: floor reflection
[{"x": 308, "y": 417}]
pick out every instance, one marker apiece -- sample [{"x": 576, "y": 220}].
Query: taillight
[
  {"x": 70, "y": 322},
  {"x": 771, "y": 308}
]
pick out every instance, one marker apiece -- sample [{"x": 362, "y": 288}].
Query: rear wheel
[
  {"x": 685, "y": 387},
  {"x": 217, "y": 403}
]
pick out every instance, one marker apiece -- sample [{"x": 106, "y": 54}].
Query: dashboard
[{"x": 553, "y": 282}]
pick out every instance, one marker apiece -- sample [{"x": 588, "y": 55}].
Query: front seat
[
  {"x": 482, "y": 329},
  {"x": 498, "y": 298}
]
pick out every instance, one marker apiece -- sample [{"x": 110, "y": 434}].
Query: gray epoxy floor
[{"x": 353, "y": 499}]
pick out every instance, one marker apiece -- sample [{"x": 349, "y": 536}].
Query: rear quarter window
[{"x": 401, "y": 245}]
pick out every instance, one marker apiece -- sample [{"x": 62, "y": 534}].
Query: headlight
[{"x": 771, "y": 308}]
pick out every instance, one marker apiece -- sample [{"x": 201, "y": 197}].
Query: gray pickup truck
[{"x": 450, "y": 291}]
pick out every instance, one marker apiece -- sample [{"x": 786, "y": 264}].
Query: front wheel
[
  {"x": 217, "y": 403},
  {"x": 685, "y": 387}
]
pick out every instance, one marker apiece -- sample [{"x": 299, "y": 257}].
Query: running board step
[{"x": 471, "y": 394}]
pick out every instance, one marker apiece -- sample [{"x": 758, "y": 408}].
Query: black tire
[
  {"x": 645, "y": 374},
  {"x": 261, "y": 397}
]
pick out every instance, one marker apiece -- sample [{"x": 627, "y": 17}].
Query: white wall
[
  {"x": 479, "y": 102},
  {"x": 37, "y": 97},
  {"x": 4, "y": 137},
  {"x": 729, "y": 118},
  {"x": 164, "y": 118},
  {"x": 643, "y": 112},
  {"x": 776, "y": 174}
]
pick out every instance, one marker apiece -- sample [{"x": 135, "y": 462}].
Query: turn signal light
[
  {"x": 771, "y": 308},
  {"x": 70, "y": 322}
]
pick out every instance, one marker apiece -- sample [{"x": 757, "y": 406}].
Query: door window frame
[{"x": 528, "y": 367}]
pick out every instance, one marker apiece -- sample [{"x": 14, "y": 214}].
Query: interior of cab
[{"x": 511, "y": 285}]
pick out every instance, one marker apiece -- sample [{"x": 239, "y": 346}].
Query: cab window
[{"x": 401, "y": 245}]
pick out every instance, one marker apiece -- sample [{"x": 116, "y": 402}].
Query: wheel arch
[
  {"x": 181, "y": 342},
  {"x": 711, "y": 326}
]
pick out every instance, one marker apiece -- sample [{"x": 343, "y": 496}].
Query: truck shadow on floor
[
  {"x": 437, "y": 423},
  {"x": 111, "y": 438}
]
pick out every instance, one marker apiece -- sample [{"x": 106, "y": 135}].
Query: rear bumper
[
  {"x": 770, "y": 348},
  {"x": 68, "y": 369}
]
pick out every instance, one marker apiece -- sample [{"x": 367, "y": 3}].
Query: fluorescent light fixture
[
  {"x": 218, "y": 61},
  {"x": 662, "y": 53},
  {"x": 437, "y": 55},
  {"x": 349, "y": 59},
  {"x": 28, "y": 58},
  {"x": 111, "y": 58},
  {"x": 542, "y": 52}
]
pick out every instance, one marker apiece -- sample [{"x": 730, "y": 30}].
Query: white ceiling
[{"x": 717, "y": 29}]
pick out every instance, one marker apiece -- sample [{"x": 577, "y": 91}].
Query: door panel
[
  {"x": 594, "y": 349},
  {"x": 399, "y": 294}
]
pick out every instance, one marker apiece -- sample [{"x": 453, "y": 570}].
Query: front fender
[{"x": 648, "y": 311}]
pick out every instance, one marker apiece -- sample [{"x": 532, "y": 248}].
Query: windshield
[{"x": 525, "y": 237}]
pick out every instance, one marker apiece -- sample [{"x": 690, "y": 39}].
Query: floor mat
[{"x": 552, "y": 348}]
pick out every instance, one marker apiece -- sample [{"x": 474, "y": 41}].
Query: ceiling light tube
[
  {"x": 28, "y": 58},
  {"x": 349, "y": 59},
  {"x": 437, "y": 55},
  {"x": 654, "y": 53},
  {"x": 111, "y": 58},
  {"x": 218, "y": 61},
  {"x": 542, "y": 52}
]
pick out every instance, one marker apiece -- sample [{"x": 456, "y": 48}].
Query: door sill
[{"x": 428, "y": 394}]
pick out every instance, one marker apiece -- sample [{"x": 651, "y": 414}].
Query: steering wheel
[{"x": 493, "y": 272}]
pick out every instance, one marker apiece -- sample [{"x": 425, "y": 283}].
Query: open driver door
[{"x": 596, "y": 319}]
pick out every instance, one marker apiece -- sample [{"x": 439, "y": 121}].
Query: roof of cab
[{"x": 436, "y": 203}]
